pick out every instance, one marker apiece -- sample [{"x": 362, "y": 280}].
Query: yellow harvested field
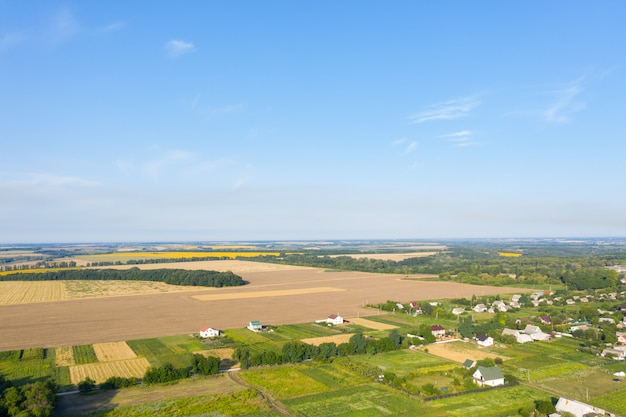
[
  {"x": 337, "y": 339},
  {"x": 510, "y": 254},
  {"x": 223, "y": 353},
  {"x": 125, "y": 256},
  {"x": 89, "y": 289},
  {"x": 100, "y": 372},
  {"x": 372, "y": 324},
  {"x": 263, "y": 294},
  {"x": 222, "y": 265},
  {"x": 388, "y": 256},
  {"x": 64, "y": 356},
  {"x": 113, "y": 351},
  {"x": 460, "y": 351},
  {"x": 24, "y": 292}
]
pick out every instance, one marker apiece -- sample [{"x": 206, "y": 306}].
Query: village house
[
  {"x": 606, "y": 320},
  {"x": 437, "y": 331},
  {"x": 621, "y": 338},
  {"x": 614, "y": 353},
  {"x": 480, "y": 308},
  {"x": 209, "y": 332},
  {"x": 491, "y": 377},
  {"x": 576, "y": 408},
  {"x": 545, "y": 319},
  {"x": 255, "y": 326},
  {"x": 484, "y": 340},
  {"x": 334, "y": 319},
  {"x": 457, "y": 311},
  {"x": 519, "y": 336}
]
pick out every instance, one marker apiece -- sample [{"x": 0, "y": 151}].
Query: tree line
[
  {"x": 36, "y": 399},
  {"x": 168, "y": 276},
  {"x": 297, "y": 351}
]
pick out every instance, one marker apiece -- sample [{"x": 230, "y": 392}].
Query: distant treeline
[
  {"x": 168, "y": 276},
  {"x": 485, "y": 266}
]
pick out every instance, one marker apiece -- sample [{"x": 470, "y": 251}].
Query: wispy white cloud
[
  {"x": 398, "y": 142},
  {"x": 566, "y": 104},
  {"x": 410, "y": 148},
  {"x": 461, "y": 139},
  {"x": 165, "y": 157},
  {"x": 239, "y": 183},
  {"x": 63, "y": 26},
  {"x": 176, "y": 48},
  {"x": 452, "y": 109}
]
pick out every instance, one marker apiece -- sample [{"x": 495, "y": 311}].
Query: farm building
[
  {"x": 484, "y": 340},
  {"x": 437, "y": 331},
  {"x": 209, "y": 332},
  {"x": 491, "y": 377},
  {"x": 458, "y": 310},
  {"x": 332, "y": 319},
  {"x": 576, "y": 408},
  {"x": 469, "y": 363},
  {"x": 545, "y": 319},
  {"x": 480, "y": 308},
  {"x": 255, "y": 326},
  {"x": 519, "y": 337}
]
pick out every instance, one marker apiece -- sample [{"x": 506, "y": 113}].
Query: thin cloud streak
[
  {"x": 176, "y": 48},
  {"x": 566, "y": 104},
  {"x": 64, "y": 26},
  {"x": 452, "y": 109}
]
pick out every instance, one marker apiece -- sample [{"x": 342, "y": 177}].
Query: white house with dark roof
[
  {"x": 484, "y": 340},
  {"x": 437, "y": 330}
]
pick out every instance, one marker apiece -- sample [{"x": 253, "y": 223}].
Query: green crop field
[
  {"x": 27, "y": 371},
  {"x": 332, "y": 375},
  {"x": 283, "y": 381},
  {"x": 149, "y": 348},
  {"x": 33, "y": 353},
  {"x": 299, "y": 331},
  {"x": 614, "y": 402},
  {"x": 492, "y": 403},
  {"x": 402, "y": 362},
  {"x": 84, "y": 354},
  {"x": 182, "y": 344},
  {"x": 370, "y": 400},
  {"x": 244, "y": 336},
  {"x": 244, "y": 403},
  {"x": 10, "y": 355}
]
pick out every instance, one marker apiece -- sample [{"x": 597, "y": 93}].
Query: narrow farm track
[{"x": 274, "y": 405}]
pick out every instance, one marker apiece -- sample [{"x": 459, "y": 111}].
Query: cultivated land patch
[
  {"x": 337, "y": 339},
  {"x": 371, "y": 324},
  {"x": 387, "y": 256},
  {"x": 264, "y": 294},
  {"x": 460, "y": 351},
  {"x": 220, "y": 265},
  {"x": 90, "y": 289},
  {"x": 64, "y": 356},
  {"x": 102, "y": 371},
  {"x": 72, "y": 322},
  {"x": 113, "y": 351},
  {"x": 22, "y": 292}
]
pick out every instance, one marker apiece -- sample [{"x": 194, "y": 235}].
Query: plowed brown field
[{"x": 265, "y": 298}]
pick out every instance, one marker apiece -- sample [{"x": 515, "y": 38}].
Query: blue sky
[{"x": 246, "y": 120}]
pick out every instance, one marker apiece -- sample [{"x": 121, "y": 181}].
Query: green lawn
[{"x": 283, "y": 382}]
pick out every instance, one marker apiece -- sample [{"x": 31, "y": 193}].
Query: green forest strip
[{"x": 168, "y": 276}]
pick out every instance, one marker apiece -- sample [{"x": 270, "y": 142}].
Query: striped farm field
[
  {"x": 23, "y": 292},
  {"x": 371, "y": 324},
  {"x": 64, "y": 356},
  {"x": 113, "y": 351},
  {"x": 35, "y": 271},
  {"x": 102, "y": 371},
  {"x": 126, "y": 256}
]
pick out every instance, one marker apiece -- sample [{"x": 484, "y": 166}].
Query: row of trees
[
  {"x": 297, "y": 351},
  {"x": 200, "y": 365},
  {"x": 36, "y": 399},
  {"x": 168, "y": 276}
]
